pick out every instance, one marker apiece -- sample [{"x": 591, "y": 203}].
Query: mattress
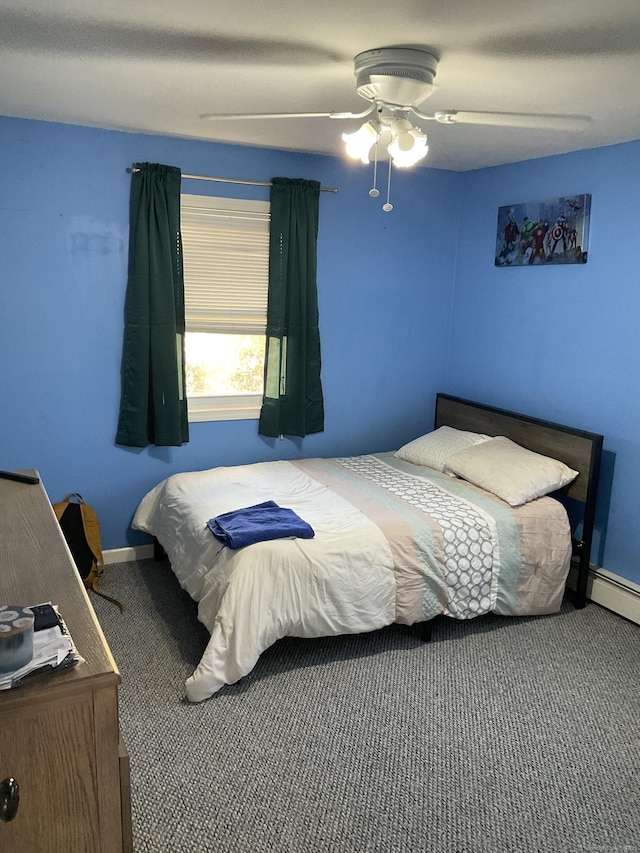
[{"x": 393, "y": 542}]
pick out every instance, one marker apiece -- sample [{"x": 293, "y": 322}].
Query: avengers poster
[{"x": 540, "y": 233}]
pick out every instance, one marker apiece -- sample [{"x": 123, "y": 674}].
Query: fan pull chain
[
  {"x": 374, "y": 192},
  {"x": 388, "y": 206}
]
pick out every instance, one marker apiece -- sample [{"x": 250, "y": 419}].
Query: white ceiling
[{"x": 155, "y": 66}]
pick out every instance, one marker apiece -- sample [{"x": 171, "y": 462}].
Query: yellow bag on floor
[{"x": 81, "y": 528}]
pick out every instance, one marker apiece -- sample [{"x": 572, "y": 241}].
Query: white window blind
[{"x": 226, "y": 264}]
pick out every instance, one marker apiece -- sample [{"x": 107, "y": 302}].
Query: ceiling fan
[{"x": 396, "y": 81}]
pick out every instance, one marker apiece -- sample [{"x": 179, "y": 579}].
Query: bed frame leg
[
  {"x": 426, "y": 630},
  {"x": 582, "y": 553},
  {"x": 159, "y": 554}
]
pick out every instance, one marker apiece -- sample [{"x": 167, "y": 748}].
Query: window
[{"x": 225, "y": 245}]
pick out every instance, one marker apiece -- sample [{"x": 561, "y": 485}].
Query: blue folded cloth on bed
[{"x": 258, "y": 523}]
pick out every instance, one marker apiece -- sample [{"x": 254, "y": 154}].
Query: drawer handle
[{"x": 9, "y": 799}]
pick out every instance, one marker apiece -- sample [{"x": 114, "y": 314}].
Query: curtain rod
[{"x": 236, "y": 181}]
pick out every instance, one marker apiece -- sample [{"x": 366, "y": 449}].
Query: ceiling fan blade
[
  {"x": 252, "y": 116},
  {"x": 527, "y": 120}
]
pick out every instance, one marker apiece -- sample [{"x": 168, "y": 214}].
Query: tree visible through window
[{"x": 224, "y": 364}]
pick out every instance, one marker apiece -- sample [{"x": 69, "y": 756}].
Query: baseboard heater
[{"x": 611, "y": 591}]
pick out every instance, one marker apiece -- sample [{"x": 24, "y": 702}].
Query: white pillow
[
  {"x": 435, "y": 448},
  {"x": 511, "y": 472}
]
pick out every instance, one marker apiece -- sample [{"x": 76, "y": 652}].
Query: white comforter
[{"x": 258, "y": 594}]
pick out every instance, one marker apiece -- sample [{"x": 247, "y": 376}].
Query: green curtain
[
  {"x": 153, "y": 406},
  {"x": 293, "y": 402}
]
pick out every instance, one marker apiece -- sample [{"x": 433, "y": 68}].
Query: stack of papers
[{"x": 52, "y": 647}]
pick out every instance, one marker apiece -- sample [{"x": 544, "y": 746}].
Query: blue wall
[
  {"x": 410, "y": 304},
  {"x": 560, "y": 342},
  {"x": 384, "y": 282}
]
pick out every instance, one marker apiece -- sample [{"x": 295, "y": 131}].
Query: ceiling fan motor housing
[{"x": 396, "y": 76}]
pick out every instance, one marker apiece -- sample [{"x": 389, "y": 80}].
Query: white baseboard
[
  {"x": 617, "y": 594},
  {"x": 127, "y": 555},
  {"x": 611, "y": 591}
]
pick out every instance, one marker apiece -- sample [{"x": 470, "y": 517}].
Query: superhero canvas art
[{"x": 539, "y": 233}]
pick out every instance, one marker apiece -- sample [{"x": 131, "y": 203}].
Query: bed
[{"x": 446, "y": 525}]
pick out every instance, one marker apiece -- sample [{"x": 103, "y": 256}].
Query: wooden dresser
[{"x": 59, "y": 731}]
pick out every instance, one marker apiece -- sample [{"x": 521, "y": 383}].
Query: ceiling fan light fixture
[
  {"x": 360, "y": 142},
  {"x": 408, "y": 145}
]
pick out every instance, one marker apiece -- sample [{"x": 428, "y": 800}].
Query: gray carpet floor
[{"x": 500, "y": 736}]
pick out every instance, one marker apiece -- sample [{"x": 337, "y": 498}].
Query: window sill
[{"x": 235, "y": 407}]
